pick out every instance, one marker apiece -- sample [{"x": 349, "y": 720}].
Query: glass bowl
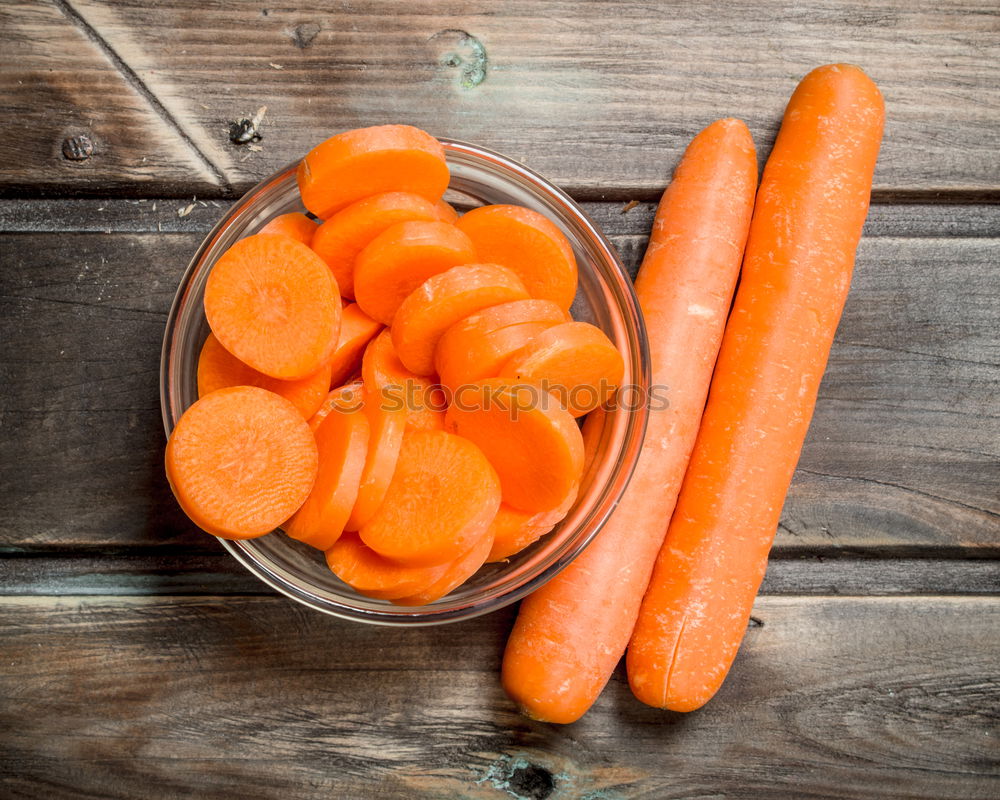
[{"x": 604, "y": 298}]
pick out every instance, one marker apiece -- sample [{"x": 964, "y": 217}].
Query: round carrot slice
[
  {"x": 357, "y": 329},
  {"x": 273, "y": 304},
  {"x": 339, "y": 240},
  {"x": 342, "y": 439},
  {"x": 359, "y": 163},
  {"x": 456, "y": 573},
  {"x": 441, "y": 301},
  {"x": 386, "y": 426},
  {"x": 386, "y": 377},
  {"x": 346, "y": 398},
  {"x": 514, "y": 530},
  {"x": 240, "y": 461},
  {"x": 533, "y": 443},
  {"x": 592, "y": 432},
  {"x": 401, "y": 258},
  {"x": 575, "y": 360},
  {"x": 220, "y": 369},
  {"x": 528, "y": 244},
  {"x": 296, "y": 225},
  {"x": 441, "y": 500},
  {"x": 476, "y": 347},
  {"x": 446, "y": 212},
  {"x": 372, "y": 575}
]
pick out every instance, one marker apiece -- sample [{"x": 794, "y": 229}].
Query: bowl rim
[{"x": 635, "y": 423}]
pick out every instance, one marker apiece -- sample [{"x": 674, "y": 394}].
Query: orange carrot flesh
[
  {"x": 385, "y": 376},
  {"x": 441, "y": 301},
  {"x": 339, "y": 240},
  {"x": 477, "y": 346},
  {"x": 367, "y": 161},
  {"x": 528, "y": 244},
  {"x": 571, "y": 633},
  {"x": 401, "y": 258},
  {"x": 349, "y": 397},
  {"x": 240, "y": 461},
  {"x": 533, "y": 443},
  {"x": 456, "y": 573},
  {"x": 342, "y": 440},
  {"x": 577, "y": 359},
  {"x": 357, "y": 329},
  {"x": 806, "y": 226},
  {"x": 446, "y": 212},
  {"x": 387, "y": 425},
  {"x": 372, "y": 575},
  {"x": 441, "y": 500},
  {"x": 220, "y": 369},
  {"x": 296, "y": 225},
  {"x": 273, "y": 304},
  {"x": 514, "y": 530}
]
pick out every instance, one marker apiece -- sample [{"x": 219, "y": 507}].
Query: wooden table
[{"x": 138, "y": 660}]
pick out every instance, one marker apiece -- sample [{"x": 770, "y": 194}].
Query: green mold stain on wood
[{"x": 468, "y": 56}]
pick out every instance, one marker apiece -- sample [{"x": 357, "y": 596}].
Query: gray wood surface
[
  {"x": 135, "y": 697},
  {"x": 627, "y": 83}
]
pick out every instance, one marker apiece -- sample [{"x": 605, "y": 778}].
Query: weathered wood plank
[
  {"x": 233, "y": 696},
  {"x": 172, "y": 573},
  {"x": 59, "y": 80},
  {"x": 606, "y": 94},
  {"x": 902, "y": 455}
]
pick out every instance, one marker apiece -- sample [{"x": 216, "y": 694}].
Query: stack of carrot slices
[{"x": 392, "y": 383}]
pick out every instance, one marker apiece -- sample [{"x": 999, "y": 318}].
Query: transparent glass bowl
[{"x": 604, "y": 297}]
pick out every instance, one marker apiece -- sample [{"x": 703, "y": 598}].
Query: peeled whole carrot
[
  {"x": 385, "y": 376},
  {"x": 219, "y": 369},
  {"x": 296, "y": 225},
  {"x": 342, "y": 440},
  {"x": 806, "y": 226},
  {"x": 571, "y": 633},
  {"x": 367, "y": 161},
  {"x": 528, "y": 244},
  {"x": 401, "y": 258},
  {"x": 272, "y": 303},
  {"x": 339, "y": 240},
  {"x": 456, "y": 573},
  {"x": 357, "y": 329},
  {"x": 240, "y": 461},
  {"x": 441, "y": 301},
  {"x": 441, "y": 500},
  {"x": 576, "y": 359},
  {"x": 532, "y": 442}
]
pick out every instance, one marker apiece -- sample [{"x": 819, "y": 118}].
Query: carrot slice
[
  {"x": 592, "y": 431},
  {"x": 528, "y": 244},
  {"x": 296, "y": 225},
  {"x": 806, "y": 226},
  {"x": 441, "y": 301},
  {"x": 349, "y": 397},
  {"x": 575, "y": 360},
  {"x": 240, "y": 461},
  {"x": 446, "y": 212},
  {"x": 401, "y": 258},
  {"x": 387, "y": 425},
  {"x": 384, "y": 375},
  {"x": 476, "y": 347},
  {"x": 273, "y": 304},
  {"x": 514, "y": 530},
  {"x": 339, "y": 240},
  {"x": 357, "y": 329},
  {"x": 342, "y": 439},
  {"x": 366, "y": 161},
  {"x": 219, "y": 369},
  {"x": 456, "y": 573},
  {"x": 533, "y": 443},
  {"x": 571, "y": 633},
  {"x": 441, "y": 500},
  {"x": 372, "y": 575}
]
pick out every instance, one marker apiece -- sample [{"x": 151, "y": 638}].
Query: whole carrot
[
  {"x": 806, "y": 225},
  {"x": 571, "y": 633}
]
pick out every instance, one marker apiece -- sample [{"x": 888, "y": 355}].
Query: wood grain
[
  {"x": 235, "y": 696},
  {"x": 606, "y": 94},
  {"x": 902, "y": 456}
]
